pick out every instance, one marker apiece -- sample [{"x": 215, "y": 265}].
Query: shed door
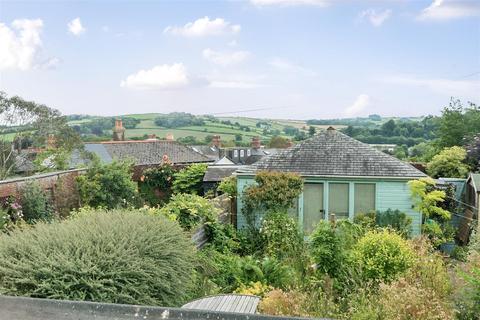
[{"x": 312, "y": 206}]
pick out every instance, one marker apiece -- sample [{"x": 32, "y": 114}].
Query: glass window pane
[
  {"x": 364, "y": 197},
  {"x": 338, "y": 200},
  {"x": 312, "y": 206}
]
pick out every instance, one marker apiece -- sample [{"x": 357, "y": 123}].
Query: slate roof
[
  {"x": 217, "y": 173},
  {"x": 212, "y": 152},
  {"x": 332, "y": 153},
  {"x": 145, "y": 152}
]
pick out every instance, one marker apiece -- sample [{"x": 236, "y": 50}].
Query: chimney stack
[
  {"x": 170, "y": 137},
  {"x": 289, "y": 143},
  {"x": 216, "y": 141},
  {"x": 256, "y": 143},
  {"x": 118, "y": 131}
]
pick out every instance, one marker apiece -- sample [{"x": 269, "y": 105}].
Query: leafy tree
[
  {"x": 189, "y": 179},
  {"x": 427, "y": 200},
  {"x": 291, "y": 131},
  {"x": 423, "y": 152},
  {"x": 278, "y": 142},
  {"x": 28, "y": 120},
  {"x": 449, "y": 163},
  {"x": 312, "y": 130},
  {"x": 228, "y": 186},
  {"x": 473, "y": 151},
  {"x": 108, "y": 185},
  {"x": 178, "y": 119},
  {"x": 458, "y": 123}
]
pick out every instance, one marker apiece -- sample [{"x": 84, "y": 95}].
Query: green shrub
[
  {"x": 383, "y": 255},
  {"x": 189, "y": 210},
  {"x": 394, "y": 219},
  {"x": 117, "y": 257},
  {"x": 108, "y": 186},
  {"x": 281, "y": 235},
  {"x": 228, "y": 186},
  {"x": 155, "y": 186},
  {"x": 35, "y": 203},
  {"x": 189, "y": 179}
]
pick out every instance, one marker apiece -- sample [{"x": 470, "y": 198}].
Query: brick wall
[{"x": 61, "y": 186}]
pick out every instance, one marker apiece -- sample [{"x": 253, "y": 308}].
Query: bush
[
  {"x": 116, "y": 257},
  {"x": 228, "y": 186},
  {"x": 35, "y": 203},
  {"x": 281, "y": 236},
  {"x": 189, "y": 179},
  {"x": 189, "y": 210},
  {"x": 108, "y": 186},
  {"x": 383, "y": 255},
  {"x": 155, "y": 185},
  {"x": 394, "y": 219}
]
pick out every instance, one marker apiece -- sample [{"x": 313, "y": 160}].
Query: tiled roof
[
  {"x": 216, "y": 173},
  {"x": 146, "y": 152},
  {"x": 332, "y": 153}
]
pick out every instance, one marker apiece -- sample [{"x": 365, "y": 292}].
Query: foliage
[
  {"x": 423, "y": 152},
  {"x": 35, "y": 203},
  {"x": 108, "y": 185},
  {"x": 228, "y": 186},
  {"x": 330, "y": 245},
  {"x": 404, "y": 301},
  {"x": 278, "y": 142},
  {"x": 189, "y": 210},
  {"x": 256, "y": 289},
  {"x": 383, "y": 255},
  {"x": 189, "y": 179},
  {"x": 427, "y": 199},
  {"x": 53, "y": 159},
  {"x": 178, "y": 119},
  {"x": 156, "y": 183},
  {"x": 458, "y": 123},
  {"x": 394, "y": 219},
  {"x": 117, "y": 257},
  {"x": 281, "y": 235},
  {"x": 449, "y": 163},
  {"x": 272, "y": 191}
]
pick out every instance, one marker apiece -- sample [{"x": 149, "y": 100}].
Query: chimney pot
[{"x": 170, "y": 137}]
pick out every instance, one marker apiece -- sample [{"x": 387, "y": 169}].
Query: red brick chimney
[
  {"x": 170, "y": 137},
  {"x": 118, "y": 131},
  {"x": 289, "y": 143},
  {"x": 216, "y": 141},
  {"x": 151, "y": 136},
  {"x": 256, "y": 143}
]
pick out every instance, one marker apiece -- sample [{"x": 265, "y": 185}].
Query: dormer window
[
  {"x": 235, "y": 153},
  {"x": 249, "y": 153},
  {"x": 242, "y": 153}
]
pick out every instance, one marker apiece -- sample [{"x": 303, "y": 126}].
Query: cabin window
[
  {"x": 364, "y": 197},
  {"x": 338, "y": 200}
]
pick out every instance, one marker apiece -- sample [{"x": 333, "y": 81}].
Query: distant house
[
  {"x": 342, "y": 176},
  {"x": 218, "y": 171},
  {"x": 238, "y": 155},
  {"x": 144, "y": 153}
]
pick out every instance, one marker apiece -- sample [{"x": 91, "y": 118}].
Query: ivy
[{"x": 189, "y": 179}]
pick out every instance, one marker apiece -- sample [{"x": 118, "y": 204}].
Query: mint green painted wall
[{"x": 390, "y": 194}]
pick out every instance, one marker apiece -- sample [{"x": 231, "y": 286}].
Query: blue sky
[{"x": 301, "y": 59}]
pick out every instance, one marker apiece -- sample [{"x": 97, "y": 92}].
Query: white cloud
[
  {"x": 159, "y": 77},
  {"x": 466, "y": 88},
  {"x": 287, "y": 66},
  {"x": 358, "y": 106},
  {"x": 289, "y": 3},
  {"x": 204, "y": 27},
  {"x": 450, "y": 9},
  {"x": 21, "y": 46},
  {"x": 376, "y": 18},
  {"x": 225, "y": 58},
  {"x": 75, "y": 27}
]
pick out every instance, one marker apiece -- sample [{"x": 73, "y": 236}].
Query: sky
[{"x": 290, "y": 59}]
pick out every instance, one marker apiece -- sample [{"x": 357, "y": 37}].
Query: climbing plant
[{"x": 155, "y": 184}]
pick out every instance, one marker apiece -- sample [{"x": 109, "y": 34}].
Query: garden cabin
[{"x": 342, "y": 176}]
